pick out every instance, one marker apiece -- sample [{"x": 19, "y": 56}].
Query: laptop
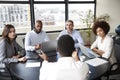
[
  {"x": 88, "y": 52},
  {"x": 48, "y": 47}
]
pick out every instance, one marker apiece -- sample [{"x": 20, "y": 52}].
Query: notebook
[{"x": 88, "y": 52}]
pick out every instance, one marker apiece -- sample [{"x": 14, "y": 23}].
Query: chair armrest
[{"x": 113, "y": 65}]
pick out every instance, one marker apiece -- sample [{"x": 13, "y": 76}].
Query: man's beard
[{"x": 37, "y": 31}]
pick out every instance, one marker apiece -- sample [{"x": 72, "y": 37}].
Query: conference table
[{"x": 30, "y": 69}]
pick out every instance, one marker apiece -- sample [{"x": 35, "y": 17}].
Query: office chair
[
  {"x": 5, "y": 73},
  {"x": 23, "y": 40},
  {"x": 117, "y": 55}
]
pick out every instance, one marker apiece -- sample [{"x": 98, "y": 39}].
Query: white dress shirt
[
  {"x": 65, "y": 69},
  {"x": 32, "y": 39}
]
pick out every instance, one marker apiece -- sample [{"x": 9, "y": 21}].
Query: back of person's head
[
  {"x": 101, "y": 24},
  {"x": 6, "y": 31},
  {"x": 65, "y": 45},
  {"x": 117, "y": 30}
]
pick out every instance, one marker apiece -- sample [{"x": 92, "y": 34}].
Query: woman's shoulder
[
  {"x": 108, "y": 37},
  {"x": 2, "y": 41}
]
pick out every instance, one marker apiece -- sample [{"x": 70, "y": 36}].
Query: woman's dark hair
[
  {"x": 6, "y": 31},
  {"x": 65, "y": 45},
  {"x": 101, "y": 24}
]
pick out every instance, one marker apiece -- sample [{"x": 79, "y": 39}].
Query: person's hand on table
[{"x": 22, "y": 59}]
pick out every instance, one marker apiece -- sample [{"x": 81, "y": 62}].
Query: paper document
[
  {"x": 96, "y": 62},
  {"x": 33, "y": 64}
]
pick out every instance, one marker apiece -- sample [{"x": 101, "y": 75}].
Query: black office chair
[
  {"x": 117, "y": 55},
  {"x": 5, "y": 76},
  {"x": 5, "y": 73},
  {"x": 23, "y": 40}
]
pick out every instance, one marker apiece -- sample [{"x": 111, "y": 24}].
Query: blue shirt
[{"x": 75, "y": 35}]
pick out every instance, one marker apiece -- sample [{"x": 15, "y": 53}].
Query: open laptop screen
[{"x": 88, "y": 52}]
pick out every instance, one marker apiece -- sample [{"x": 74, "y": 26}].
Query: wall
[{"x": 111, "y": 7}]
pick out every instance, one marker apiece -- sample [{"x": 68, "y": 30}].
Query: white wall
[{"x": 111, "y": 7}]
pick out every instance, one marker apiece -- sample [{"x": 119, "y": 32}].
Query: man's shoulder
[
  {"x": 30, "y": 32},
  {"x": 63, "y": 31},
  {"x": 43, "y": 31},
  {"x": 76, "y": 31}
]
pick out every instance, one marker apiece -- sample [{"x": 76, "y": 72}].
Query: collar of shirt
[{"x": 65, "y": 59}]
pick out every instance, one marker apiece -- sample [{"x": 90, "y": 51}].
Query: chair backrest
[
  {"x": 117, "y": 47},
  {"x": 4, "y": 72}
]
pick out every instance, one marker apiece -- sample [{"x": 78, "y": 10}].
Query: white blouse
[{"x": 106, "y": 45}]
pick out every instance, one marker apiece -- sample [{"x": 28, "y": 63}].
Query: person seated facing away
[
  {"x": 68, "y": 66},
  {"x": 34, "y": 38},
  {"x": 103, "y": 45},
  {"x": 10, "y": 50}
]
